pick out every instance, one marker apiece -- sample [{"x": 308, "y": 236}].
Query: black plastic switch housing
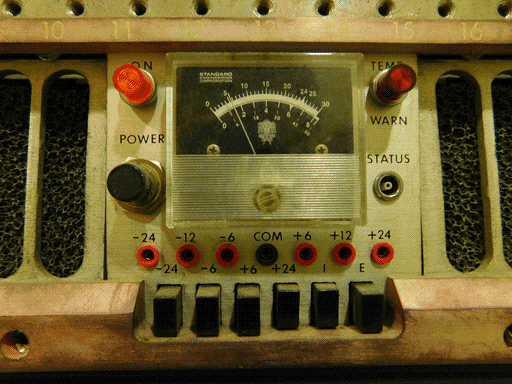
[
  {"x": 128, "y": 182},
  {"x": 247, "y": 309},
  {"x": 367, "y": 307},
  {"x": 285, "y": 311},
  {"x": 168, "y": 311},
  {"x": 207, "y": 314},
  {"x": 324, "y": 305}
]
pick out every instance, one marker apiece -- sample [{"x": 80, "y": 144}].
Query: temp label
[{"x": 381, "y": 65}]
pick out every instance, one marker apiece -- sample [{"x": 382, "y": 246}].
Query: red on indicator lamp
[
  {"x": 135, "y": 85},
  {"x": 392, "y": 85}
]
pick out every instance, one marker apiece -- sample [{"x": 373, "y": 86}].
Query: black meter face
[
  {"x": 264, "y": 137},
  {"x": 264, "y": 110}
]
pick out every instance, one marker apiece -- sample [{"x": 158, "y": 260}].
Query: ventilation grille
[
  {"x": 63, "y": 215},
  {"x": 502, "y": 106},
  {"x": 14, "y": 122},
  {"x": 464, "y": 218}
]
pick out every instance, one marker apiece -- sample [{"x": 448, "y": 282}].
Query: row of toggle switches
[{"x": 366, "y": 308}]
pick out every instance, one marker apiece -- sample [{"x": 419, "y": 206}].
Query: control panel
[
  {"x": 248, "y": 183},
  {"x": 263, "y": 195}
]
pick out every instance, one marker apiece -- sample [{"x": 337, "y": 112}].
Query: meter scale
[
  {"x": 263, "y": 111},
  {"x": 265, "y": 97}
]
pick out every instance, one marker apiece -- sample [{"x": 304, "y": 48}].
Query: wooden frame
[
  {"x": 89, "y": 326},
  {"x": 339, "y": 34}
]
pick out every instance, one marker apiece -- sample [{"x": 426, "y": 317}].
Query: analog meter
[{"x": 257, "y": 137}]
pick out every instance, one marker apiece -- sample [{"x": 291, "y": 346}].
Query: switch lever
[
  {"x": 367, "y": 306},
  {"x": 168, "y": 311},
  {"x": 247, "y": 309},
  {"x": 207, "y": 322}
]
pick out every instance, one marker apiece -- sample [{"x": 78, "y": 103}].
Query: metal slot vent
[
  {"x": 502, "y": 106},
  {"x": 64, "y": 174},
  {"x": 15, "y": 92},
  {"x": 464, "y": 220}
]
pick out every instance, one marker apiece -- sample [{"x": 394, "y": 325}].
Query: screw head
[
  {"x": 267, "y": 198},
  {"x": 213, "y": 149},
  {"x": 321, "y": 149}
]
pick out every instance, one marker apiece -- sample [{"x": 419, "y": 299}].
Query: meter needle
[{"x": 242, "y": 124}]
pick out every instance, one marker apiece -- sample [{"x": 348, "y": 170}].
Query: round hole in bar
[
  {"x": 14, "y": 345},
  {"x": 325, "y": 7},
  {"x": 12, "y": 8},
  {"x": 202, "y": 7},
  {"x": 138, "y": 8},
  {"x": 445, "y": 8},
  {"x": 263, "y": 7},
  {"x": 507, "y": 336},
  {"x": 385, "y": 7},
  {"x": 505, "y": 9},
  {"x": 75, "y": 8}
]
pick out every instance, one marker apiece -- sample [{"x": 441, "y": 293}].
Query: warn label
[{"x": 391, "y": 120}]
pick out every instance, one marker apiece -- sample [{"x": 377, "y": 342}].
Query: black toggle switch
[
  {"x": 286, "y": 306},
  {"x": 137, "y": 185},
  {"x": 207, "y": 314},
  {"x": 129, "y": 183},
  {"x": 324, "y": 305},
  {"x": 168, "y": 311},
  {"x": 367, "y": 307},
  {"x": 247, "y": 309}
]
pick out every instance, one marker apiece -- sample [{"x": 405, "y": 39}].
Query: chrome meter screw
[
  {"x": 267, "y": 199},
  {"x": 213, "y": 149},
  {"x": 321, "y": 149}
]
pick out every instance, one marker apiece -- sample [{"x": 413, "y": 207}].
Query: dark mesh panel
[
  {"x": 464, "y": 217},
  {"x": 63, "y": 216},
  {"x": 502, "y": 106},
  {"x": 14, "y": 123}
]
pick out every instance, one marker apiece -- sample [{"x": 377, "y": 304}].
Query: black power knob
[
  {"x": 128, "y": 182},
  {"x": 138, "y": 185}
]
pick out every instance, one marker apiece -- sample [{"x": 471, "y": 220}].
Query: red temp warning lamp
[
  {"x": 135, "y": 85},
  {"x": 391, "y": 86}
]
